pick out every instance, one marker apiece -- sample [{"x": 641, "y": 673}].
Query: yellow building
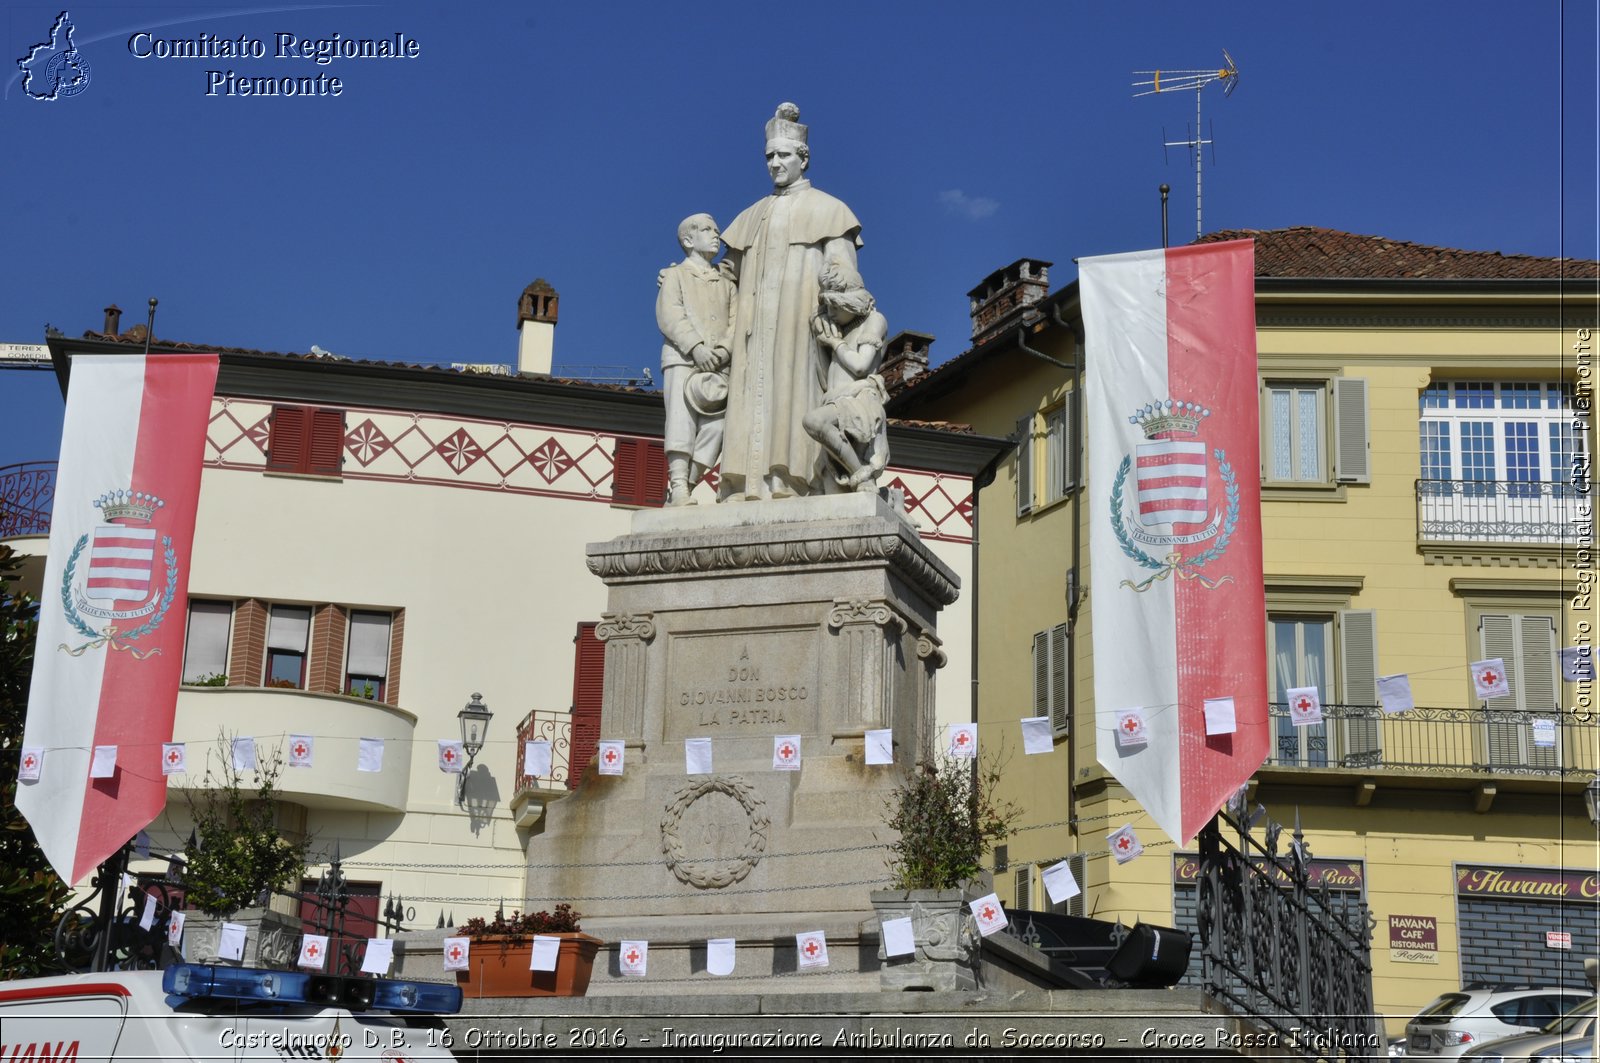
[{"x": 1426, "y": 427}]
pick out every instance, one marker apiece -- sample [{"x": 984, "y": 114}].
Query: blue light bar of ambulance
[{"x": 195, "y": 981}]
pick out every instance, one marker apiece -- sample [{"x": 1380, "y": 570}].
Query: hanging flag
[
  {"x": 1577, "y": 663},
  {"x": 1125, "y": 844},
  {"x": 813, "y": 949},
  {"x": 1394, "y": 693},
  {"x": 175, "y": 928},
  {"x": 244, "y": 754},
  {"x": 899, "y": 937},
  {"x": 378, "y": 957},
  {"x": 1175, "y": 550},
  {"x": 785, "y": 752},
  {"x": 963, "y": 740},
  {"x": 989, "y": 913},
  {"x": 1489, "y": 679},
  {"x": 610, "y": 753},
  {"x": 456, "y": 952},
  {"x": 1038, "y": 735},
  {"x": 1305, "y": 706},
  {"x": 697, "y": 756},
  {"x": 536, "y": 758},
  {"x": 369, "y": 755},
  {"x": 1221, "y": 716},
  {"x": 313, "y": 951},
  {"x": 451, "y": 755},
  {"x": 173, "y": 758},
  {"x": 1131, "y": 730},
  {"x": 1060, "y": 883},
  {"x": 546, "y": 953},
  {"x": 301, "y": 749},
  {"x": 720, "y": 956},
  {"x": 103, "y": 765},
  {"x": 31, "y": 764},
  {"x": 111, "y": 623},
  {"x": 634, "y": 958},
  {"x": 880, "y": 745}
]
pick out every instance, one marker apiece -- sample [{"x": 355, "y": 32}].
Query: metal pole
[
  {"x": 1164, "y": 190},
  {"x": 1199, "y": 158},
  {"x": 150, "y": 325},
  {"x": 111, "y": 880}
]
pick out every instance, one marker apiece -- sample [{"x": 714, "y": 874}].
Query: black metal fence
[{"x": 27, "y": 492}]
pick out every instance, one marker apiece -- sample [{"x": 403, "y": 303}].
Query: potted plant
[
  {"x": 947, "y": 819},
  {"x": 499, "y": 963},
  {"x": 235, "y": 859}
]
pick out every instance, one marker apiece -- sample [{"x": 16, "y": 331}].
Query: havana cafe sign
[
  {"x": 1335, "y": 874},
  {"x": 1527, "y": 883}
]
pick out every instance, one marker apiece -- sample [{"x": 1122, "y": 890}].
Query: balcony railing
[
  {"x": 1502, "y": 511},
  {"x": 552, "y": 727},
  {"x": 27, "y": 492},
  {"x": 1477, "y": 741}
]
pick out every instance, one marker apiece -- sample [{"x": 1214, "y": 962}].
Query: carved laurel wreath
[{"x": 714, "y": 874}]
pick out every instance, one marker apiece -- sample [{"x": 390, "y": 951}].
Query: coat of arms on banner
[
  {"x": 1173, "y": 505},
  {"x": 120, "y": 581}
]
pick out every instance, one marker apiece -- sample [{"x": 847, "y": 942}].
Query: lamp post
[{"x": 474, "y": 717}]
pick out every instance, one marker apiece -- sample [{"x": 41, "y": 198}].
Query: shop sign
[
  {"x": 1527, "y": 883},
  {"x": 1336, "y": 874},
  {"x": 1414, "y": 938}
]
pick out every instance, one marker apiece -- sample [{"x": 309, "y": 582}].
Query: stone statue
[
  {"x": 694, "y": 310},
  {"x": 850, "y": 422},
  {"x": 779, "y": 249}
]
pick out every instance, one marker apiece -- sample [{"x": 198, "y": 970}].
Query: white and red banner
[
  {"x": 111, "y": 626},
  {"x": 1175, "y": 551}
]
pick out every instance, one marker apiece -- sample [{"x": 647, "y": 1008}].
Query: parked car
[
  {"x": 1575, "y": 1026},
  {"x": 201, "y": 1013},
  {"x": 1458, "y": 1021}
]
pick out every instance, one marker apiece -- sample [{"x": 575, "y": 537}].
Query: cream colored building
[
  {"x": 1426, "y": 432},
  {"x": 378, "y": 542}
]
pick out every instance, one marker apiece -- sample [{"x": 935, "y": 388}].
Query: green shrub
[
  {"x": 237, "y": 850},
  {"x": 948, "y": 819}
]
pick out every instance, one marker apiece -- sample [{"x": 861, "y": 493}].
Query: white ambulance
[{"x": 204, "y": 1013}]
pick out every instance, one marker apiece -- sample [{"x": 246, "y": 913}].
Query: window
[
  {"x": 639, "y": 473},
  {"x": 205, "y": 654},
  {"x": 1059, "y": 439},
  {"x": 287, "y": 632},
  {"x": 305, "y": 439},
  {"x": 1526, "y": 643},
  {"x": 367, "y": 664},
  {"x": 1023, "y": 894},
  {"x": 1300, "y": 650},
  {"x": 1050, "y": 677},
  {"x": 1485, "y": 434},
  {"x": 588, "y": 691},
  {"x": 1300, "y": 446}
]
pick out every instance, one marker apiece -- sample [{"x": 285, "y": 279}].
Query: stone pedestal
[
  {"x": 272, "y": 939},
  {"x": 812, "y": 617}
]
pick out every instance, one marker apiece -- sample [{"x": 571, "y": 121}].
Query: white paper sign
[
  {"x": 1544, "y": 732},
  {"x": 174, "y": 758},
  {"x": 32, "y": 760},
  {"x": 1037, "y": 735},
  {"x": 1394, "y": 693},
  {"x": 989, "y": 913},
  {"x": 1131, "y": 730},
  {"x": 230, "y": 941},
  {"x": 456, "y": 953},
  {"x": 633, "y": 957},
  {"x": 610, "y": 757},
  {"x": 813, "y": 949},
  {"x": 1305, "y": 706},
  {"x": 697, "y": 756},
  {"x": 546, "y": 950},
  {"x": 104, "y": 764},
  {"x": 148, "y": 918},
  {"x": 314, "y": 951},
  {"x": 719, "y": 956},
  {"x": 536, "y": 758},
  {"x": 370, "y": 755},
  {"x": 1577, "y": 663},
  {"x": 963, "y": 740},
  {"x": 898, "y": 937},
  {"x": 451, "y": 755},
  {"x": 1124, "y": 843},
  {"x": 1060, "y": 883},
  {"x": 1489, "y": 679},
  {"x": 378, "y": 957},
  {"x": 175, "y": 929},
  {"x": 880, "y": 746},
  {"x": 1222, "y": 717},
  {"x": 785, "y": 752},
  {"x": 301, "y": 748},
  {"x": 244, "y": 754}
]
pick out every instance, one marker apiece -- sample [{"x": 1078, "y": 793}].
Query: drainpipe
[
  {"x": 1074, "y": 597},
  {"x": 983, "y": 479}
]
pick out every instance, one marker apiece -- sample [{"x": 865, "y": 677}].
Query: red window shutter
[
  {"x": 625, "y": 472},
  {"x": 286, "y": 439},
  {"x": 653, "y": 489},
  {"x": 325, "y": 448},
  {"x": 588, "y": 684}
]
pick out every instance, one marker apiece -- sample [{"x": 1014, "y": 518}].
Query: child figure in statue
[
  {"x": 694, "y": 310},
  {"x": 850, "y": 424}
]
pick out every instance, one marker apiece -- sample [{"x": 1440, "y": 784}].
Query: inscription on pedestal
[{"x": 746, "y": 683}]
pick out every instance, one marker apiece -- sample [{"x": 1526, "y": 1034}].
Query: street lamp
[
  {"x": 474, "y": 717},
  {"x": 1591, "y": 800}
]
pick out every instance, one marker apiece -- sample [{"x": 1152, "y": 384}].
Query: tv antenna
[{"x": 1183, "y": 81}]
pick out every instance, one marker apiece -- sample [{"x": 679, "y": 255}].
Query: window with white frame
[
  {"x": 288, "y": 630},
  {"x": 1484, "y": 433},
  {"x": 1314, "y": 432},
  {"x": 1301, "y": 653},
  {"x": 1058, "y": 441},
  {"x": 1525, "y": 642},
  {"x": 367, "y": 660},
  {"x": 1050, "y": 674},
  {"x": 205, "y": 652}
]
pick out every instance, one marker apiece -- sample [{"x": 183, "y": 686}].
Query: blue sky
[{"x": 401, "y": 219}]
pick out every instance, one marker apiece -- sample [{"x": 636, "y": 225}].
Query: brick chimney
[
  {"x": 536, "y": 328},
  {"x": 905, "y": 358},
  {"x": 1004, "y": 298},
  {"x": 113, "y": 319}
]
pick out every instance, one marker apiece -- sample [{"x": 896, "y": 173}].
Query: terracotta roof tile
[{"x": 1313, "y": 252}]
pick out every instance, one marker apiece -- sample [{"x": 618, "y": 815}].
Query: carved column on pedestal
[
  {"x": 623, "y": 702},
  {"x": 867, "y": 632},
  {"x": 930, "y": 652}
]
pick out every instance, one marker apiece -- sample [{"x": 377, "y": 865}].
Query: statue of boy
[
  {"x": 694, "y": 310},
  {"x": 850, "y": 423}
]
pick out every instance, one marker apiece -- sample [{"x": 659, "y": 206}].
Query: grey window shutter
[
  {"x": 1352, "y": 463},
  {"x": 1058, "y": 678},
  {"x": 1069, "y": 458},
  {"x": 1024, "y": 892},
  {"x": 1358, "y": 648},
  {"x": 1041, "y": 674},
  {"x": 1025, "y": 465},
  {"x": 1505, "y": 716},
  {"x": 1537, "y": 666}
]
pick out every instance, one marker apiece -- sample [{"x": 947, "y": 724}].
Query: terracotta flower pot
[{"x": 498, "y": 968}]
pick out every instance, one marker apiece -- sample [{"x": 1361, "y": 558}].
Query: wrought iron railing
[
  {"x": 552, "y": 727},
  {"x": 27, "y": 491},
  {"x": 1439, "y": 741},
  {"x": 1501, "y": 511},
  {"x": 1279, "y": 951}
]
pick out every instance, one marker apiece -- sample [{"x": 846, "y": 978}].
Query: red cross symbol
[
  {"x": 812, "y": 948},
  {"x": 786, "y": 751},
  {"x": 988, "y": 913},
  {"x": 1304, "y": 704},
  {"x": 312, "y": 950},
  {"x": 962, "y": 738},
  {"x": 449, "y": 754},
  {"x": 1131, "y": 724},
  {"x": 633, "y": 956},
  {"x": 1489, "y": 678},
  {"x": 1124, "y": 843},
  {"x": 455, "y": 952},
  {"x": 173, "y": 756},
  {"x": 172, "y": 927},
  {"x": 28, "y": 761},
  {"x": 611, "y": 756},
  {"x": 299, "y": 749}
]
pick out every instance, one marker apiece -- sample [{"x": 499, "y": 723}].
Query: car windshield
[
  {"x": 1570, "y": 1022},
  {"x": 1447, "y": 1006}
]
